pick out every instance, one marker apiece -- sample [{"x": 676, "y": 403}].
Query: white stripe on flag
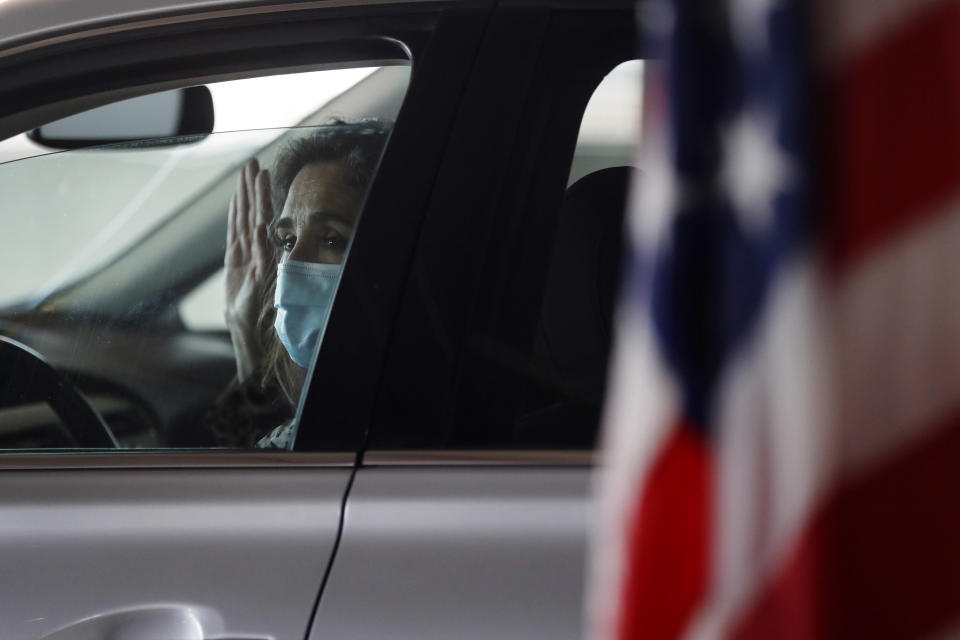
[
  {"x": 898, "y": 323},
  {"x": 850, "y": 26},
  {"x": 639, "y": 413},
  {"x": 772, "y": 449},
  {"x": 842, "y": 376},
  {"x": 951, "y": 632}
]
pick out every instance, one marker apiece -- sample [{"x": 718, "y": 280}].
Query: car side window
[
  {"x": 537, "y": 380},
  {"x": 169, "y": 290}
]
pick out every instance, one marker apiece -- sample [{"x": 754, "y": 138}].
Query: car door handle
[{"x": 154, "y": 622}]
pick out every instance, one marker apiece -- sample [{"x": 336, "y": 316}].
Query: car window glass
[
  {"x": 610, "y": 128},
  {"x": 113, "y": 302},
  {"x": 537, "y": 380},
  {"x": 202, "y": 308}
]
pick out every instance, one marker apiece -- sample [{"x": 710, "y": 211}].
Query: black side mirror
[{"x": 153, "y": 119}]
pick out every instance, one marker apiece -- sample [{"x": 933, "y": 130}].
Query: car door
[
  {"x": 470, "y": 513},
  {"x": 215, "y": 543}
]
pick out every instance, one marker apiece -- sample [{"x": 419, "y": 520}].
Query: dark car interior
[{"x": 576, "y": 317}]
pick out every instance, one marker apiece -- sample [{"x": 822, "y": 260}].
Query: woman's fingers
[
  {"x": 250, "y": 173},
  {"x": 243, "y": 206},
  {"x": 264, "y": 214},
  {"x": 264, "y": 205},
  {"x": 249, "y": 214},
  {"x": 231, "y": 221}
]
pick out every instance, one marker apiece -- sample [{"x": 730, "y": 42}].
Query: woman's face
[{"x": 318, "y": 216}]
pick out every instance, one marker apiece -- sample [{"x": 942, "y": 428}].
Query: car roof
[{"x": 29, "y": 23}]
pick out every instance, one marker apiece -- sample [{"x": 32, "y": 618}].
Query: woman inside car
[{"x": 287, "y": 237}]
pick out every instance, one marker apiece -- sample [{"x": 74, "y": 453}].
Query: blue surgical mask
[{"x": 303, "y": 300}]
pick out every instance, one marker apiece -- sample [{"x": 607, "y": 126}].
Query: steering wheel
[{"x": 26, "y": 377}]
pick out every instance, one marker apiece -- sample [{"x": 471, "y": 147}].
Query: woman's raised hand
[{"x": 247, "y": 262}]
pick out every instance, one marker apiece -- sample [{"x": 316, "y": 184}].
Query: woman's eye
[{"x": 286, "y": 242}]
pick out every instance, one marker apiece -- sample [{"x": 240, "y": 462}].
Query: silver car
[{"x": 438, "y": 482}]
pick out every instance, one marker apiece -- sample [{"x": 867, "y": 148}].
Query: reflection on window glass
[
  {"x": 270, "y": 102},
  {"x": 120, "y": 259},
  {"x": 202, "y": 308},
  {"x": 62, "y": 197}
]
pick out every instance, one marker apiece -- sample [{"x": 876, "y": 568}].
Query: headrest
[{"x": 577, "y": 310}]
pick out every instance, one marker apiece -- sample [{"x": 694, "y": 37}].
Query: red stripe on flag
[
  {"x": 880, "y": 561},
  {"x": 893, "y": 134},
  {"x": 669, "y": 541}
]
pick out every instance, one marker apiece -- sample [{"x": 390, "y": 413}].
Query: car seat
[{"x": 573, "y": 336}]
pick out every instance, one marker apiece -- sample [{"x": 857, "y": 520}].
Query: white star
[
  {"x": 751, "y": 23},
  {"x": 653, "y": 201},
  {"x": 755, "y": 168}
]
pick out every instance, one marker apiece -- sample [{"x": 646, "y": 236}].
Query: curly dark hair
[{"x": 356, "y": 146}]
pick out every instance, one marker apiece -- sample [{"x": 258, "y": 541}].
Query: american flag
[{"x": 782, "y": 433}]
